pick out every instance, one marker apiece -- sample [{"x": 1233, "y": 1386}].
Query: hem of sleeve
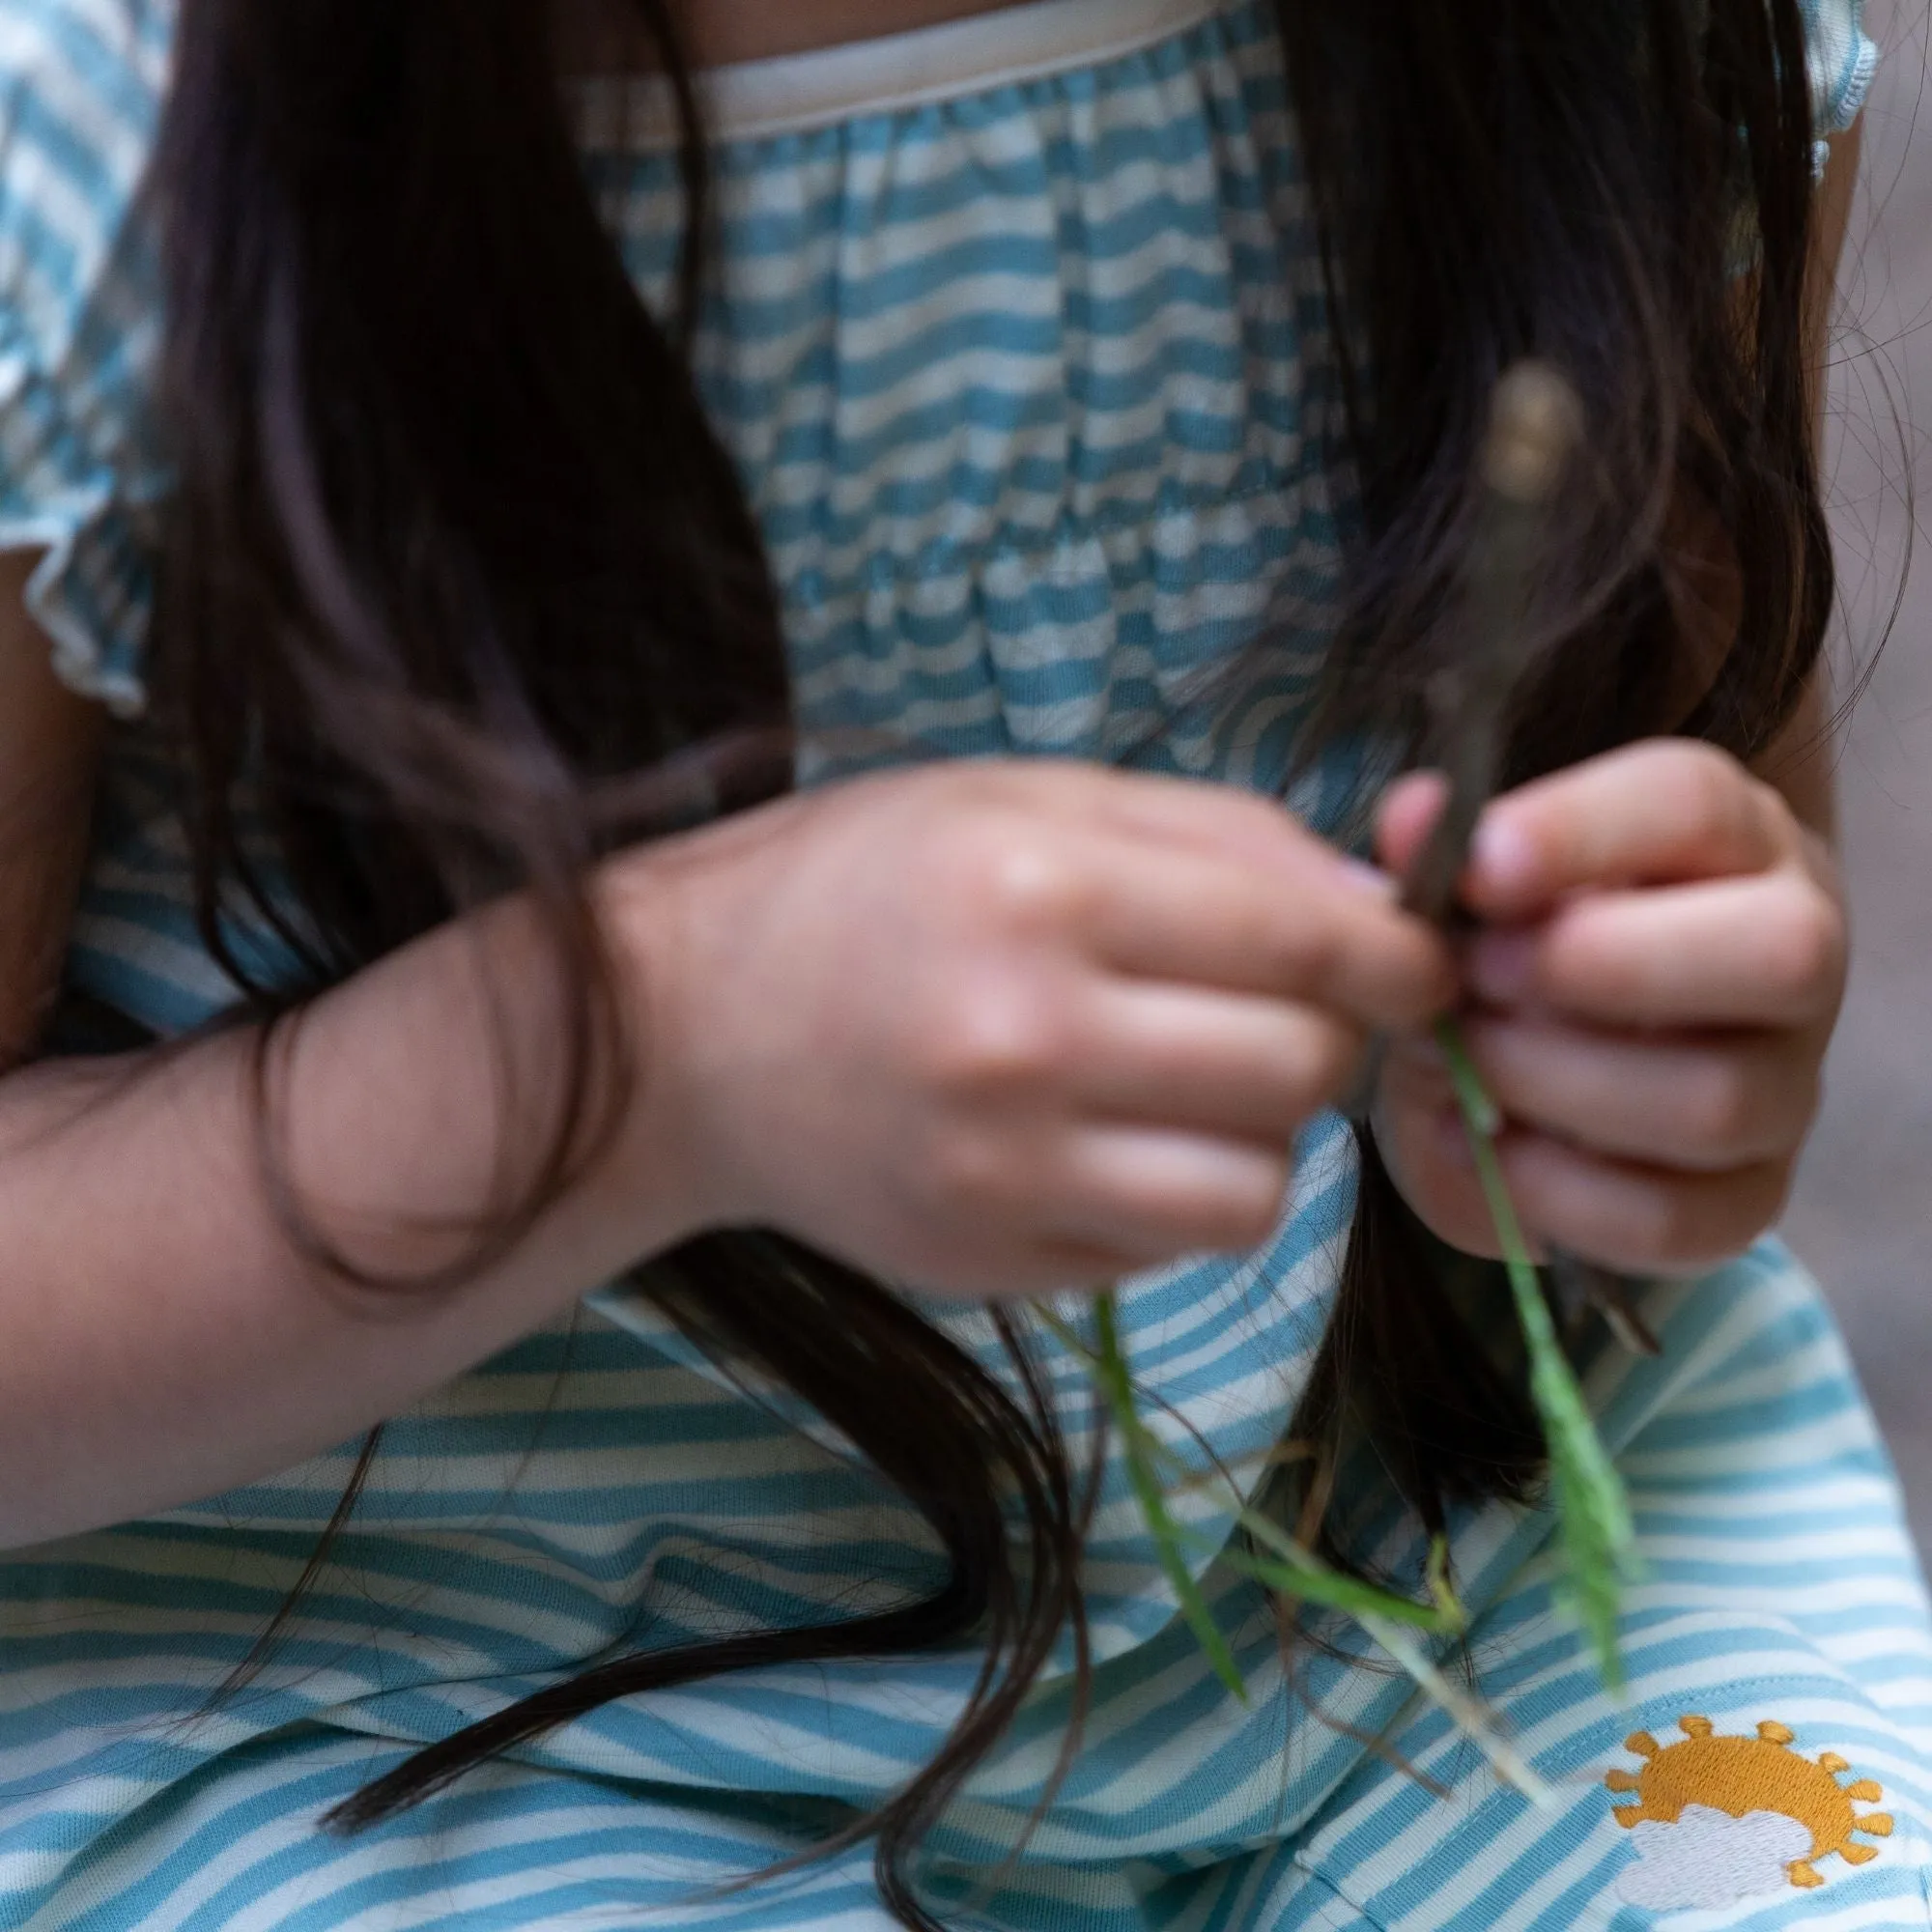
[
  {"x": 1846, "y": 101},
  {"x": 81, "y": 661}
]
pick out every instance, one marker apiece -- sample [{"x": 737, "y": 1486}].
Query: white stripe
[{"x": 798, "y": 92}]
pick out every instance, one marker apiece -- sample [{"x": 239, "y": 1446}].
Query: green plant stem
[
  {"x": 1593, "y": 1511},
  {"x": 1139, "y": 1447},
  {"x": 1396, "y": 1625}
]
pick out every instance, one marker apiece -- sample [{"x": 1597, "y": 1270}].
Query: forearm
[
  {"x": 50, "y": 752},
  {"x": 161, "y": 1339}
]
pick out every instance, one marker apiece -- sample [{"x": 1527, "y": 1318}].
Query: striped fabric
[{"x": 1027, "y": 373}]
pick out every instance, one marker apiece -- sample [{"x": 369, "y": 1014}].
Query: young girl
[{"x": 454, "y": 469}]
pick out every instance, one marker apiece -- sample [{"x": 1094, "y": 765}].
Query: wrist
[{"x": 663, "y": 1153}]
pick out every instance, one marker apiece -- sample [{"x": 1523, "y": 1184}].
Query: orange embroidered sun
[{"x": 1740, "y": 1776}]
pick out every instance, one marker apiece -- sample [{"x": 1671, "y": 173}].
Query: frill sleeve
[
  {"x": 1842, "y": 58},
  {"x": 81, "y": 471}
]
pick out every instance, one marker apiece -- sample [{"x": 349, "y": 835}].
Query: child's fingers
[
  {"x": 1702, "y": 1106},
  {"x": 1333, "y": 937},
  {"x": 1636, "y": 1218},
  {"x": 1638, "y": 1212},
  {"x": 1219, "y": 821},
  {"x": 1764, "y": 951},
  {"x": 1649, "y": 814},
  {"x": 1249, "y": 1067},
  {"x": 1157, "y": 1193}
]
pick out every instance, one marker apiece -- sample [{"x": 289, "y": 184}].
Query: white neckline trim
[{"x": 798, "y": 92}]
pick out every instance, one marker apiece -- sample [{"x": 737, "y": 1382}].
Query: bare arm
[
  {"x": 159, "y": 1339},
  {"x": 995, "y": 1028},
  {"x": 49, "y": 748},
  {"x": 163, "y": 1341}
]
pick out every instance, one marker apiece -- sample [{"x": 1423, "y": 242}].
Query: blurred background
[{"x": 1863, "y": 1213}]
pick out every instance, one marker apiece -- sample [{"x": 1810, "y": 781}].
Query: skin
[
  {"x": 1651, "y": 1010},
  {"x": 49, "y": 745},
  {"x": 1654, "y": 1003},
  {"x": 995, "y": 1028}
]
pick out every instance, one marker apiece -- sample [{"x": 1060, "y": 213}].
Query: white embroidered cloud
[{"x": 1710, "y": 1858}]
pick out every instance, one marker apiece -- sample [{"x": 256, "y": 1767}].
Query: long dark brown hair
[{"x": 457, "y": 564}]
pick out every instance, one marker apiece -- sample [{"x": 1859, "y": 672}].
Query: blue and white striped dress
[{"x": 1020, "y": 345}]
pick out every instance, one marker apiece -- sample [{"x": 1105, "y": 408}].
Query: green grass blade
[
  {"x": 1470, "y": 1718},
  {"x": 1593, "y": 1511},
  {"x": 1297, "y": 1571},
  {"x": 1140, "y": 1450},
  {"x": 1329, "y": 1587},
  {"x": 1067, "y": 1336},
  {"x": 1441, "y": 1591},
  {"x": 1321, "y": 1583},
  {"x": 1395, "y": 1624}
]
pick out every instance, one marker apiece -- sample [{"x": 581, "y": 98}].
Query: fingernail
[
  {"x": 1502, "y": 966},
  {"x": 1503, "y": 857}
]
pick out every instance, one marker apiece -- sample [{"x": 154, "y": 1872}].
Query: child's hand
[
  {"x": 1662, "y": 969},
  {"x": 997, "y": 1028}
]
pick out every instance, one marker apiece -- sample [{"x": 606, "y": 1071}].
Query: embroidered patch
[
  {"x": 1710, "y": 1858},
  {"x": 1720, "y": 1819}
]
